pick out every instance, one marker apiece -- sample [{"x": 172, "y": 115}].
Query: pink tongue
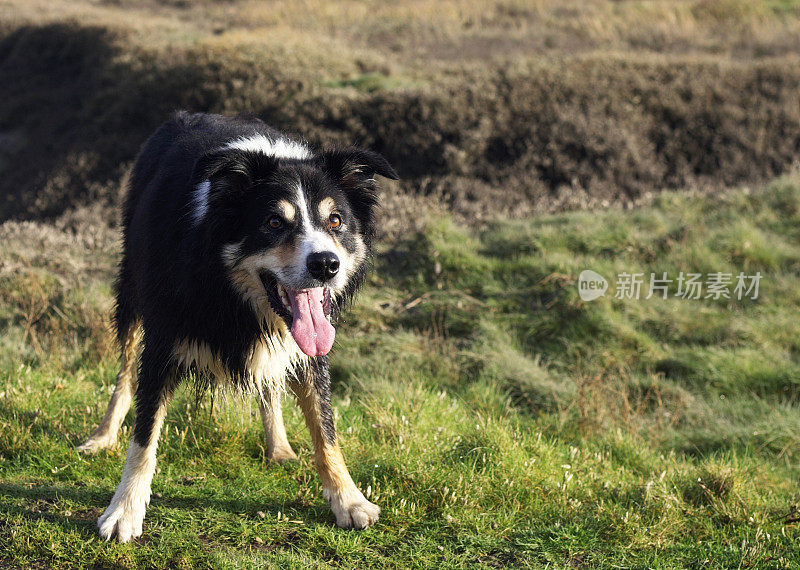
[{"x": 311, "y": 330}]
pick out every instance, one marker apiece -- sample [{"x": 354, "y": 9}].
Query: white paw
[
  {"x": 96, "y": 443},
  {"x": 352, "y": 509},
  {"x": 122, "y": 519}
]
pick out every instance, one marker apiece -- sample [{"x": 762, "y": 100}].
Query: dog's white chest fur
[{"x": 268, "y": 362}]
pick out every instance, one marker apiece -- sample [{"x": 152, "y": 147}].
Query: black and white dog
[{"x": 240, "y": 248}]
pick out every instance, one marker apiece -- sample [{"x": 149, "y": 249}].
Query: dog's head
[{"x": 293, "y": 233}]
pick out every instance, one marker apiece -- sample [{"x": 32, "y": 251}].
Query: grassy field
[{"x": 496, "y": 418}]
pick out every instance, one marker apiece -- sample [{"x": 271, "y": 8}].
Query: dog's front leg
[
  {"x": 278, "y": 448},
  {"x": 351, "y": 508},
  {"x": 106, "y": 433},
  {"x": 124, "y": 516}
]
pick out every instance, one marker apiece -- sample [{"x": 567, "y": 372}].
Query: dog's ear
[
  {"x": 232, "y": 169},
  {"x": 353, "y": 166},
  {"x": 355, "y": 169}
]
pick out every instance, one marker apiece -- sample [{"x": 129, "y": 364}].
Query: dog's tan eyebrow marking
[
  {"x": 287, "y": 210},
  {"x": 326, "y": 207}
]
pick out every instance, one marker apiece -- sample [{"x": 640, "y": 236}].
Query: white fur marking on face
[
  {"x": 279, "y": 148},
  {"x": 200, "y": 199},
  {"x": 304, "y": 213},
  {"x": 315, "y": 241}
]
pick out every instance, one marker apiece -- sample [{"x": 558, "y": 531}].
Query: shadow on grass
[{"x": 41, "y": 502}]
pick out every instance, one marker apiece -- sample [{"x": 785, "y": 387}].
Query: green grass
[
  {"x": 496, "y": 418},
  {"x": 366, "y": 82}
]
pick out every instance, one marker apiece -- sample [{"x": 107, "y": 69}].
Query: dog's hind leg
[
  {"x": 106, "y": 433},
  {"x": 278, "y": 448},
  {"x": 124, "y": 516},
  {"x": 351, "y": 508}
]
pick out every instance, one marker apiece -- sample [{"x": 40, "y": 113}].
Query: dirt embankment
[{"x": 570, "y": 132}]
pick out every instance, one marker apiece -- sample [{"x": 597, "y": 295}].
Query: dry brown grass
[
  {"x": 55, "y": 291},
  {"x": 420, "y": 33},
  {"x": 509, "y": 108}
]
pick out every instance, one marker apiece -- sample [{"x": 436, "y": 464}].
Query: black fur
[
  {"x": 172, "y": 277},
  {"x": 321, "y": 377}
]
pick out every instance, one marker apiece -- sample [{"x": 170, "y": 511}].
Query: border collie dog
[{"x": 240, "y": 247}]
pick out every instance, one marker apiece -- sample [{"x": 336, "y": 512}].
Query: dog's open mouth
[{"x": 308, "y": 312}]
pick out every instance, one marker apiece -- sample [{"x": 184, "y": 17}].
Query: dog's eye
[
  {"x": 335, "y": 221},
  {"x": 275, "y": 222}
]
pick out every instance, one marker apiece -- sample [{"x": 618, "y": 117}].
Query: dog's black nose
[{"x": 323, "y": 265}]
